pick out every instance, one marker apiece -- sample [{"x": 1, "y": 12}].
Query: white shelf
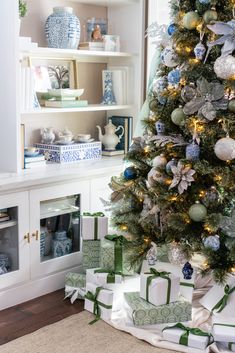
[
  {"x": 58, "y": 212},
  {"x": 8, "y": 224},
  {"x": 107, "y": 2},
  {"x": 89, "y": 108},
  {"x": 72, "y": 54}
]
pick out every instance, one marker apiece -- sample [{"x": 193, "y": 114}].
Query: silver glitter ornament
[
  {"x": 224, "y": 67},
  {"x": 176, "y": 255}
]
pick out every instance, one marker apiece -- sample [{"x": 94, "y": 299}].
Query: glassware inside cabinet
[
  {"x": 9, "y": 242},
  {"x": 59, "y": 227}
]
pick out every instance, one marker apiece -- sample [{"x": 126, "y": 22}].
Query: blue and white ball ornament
[
  {"x": 159, "y": 84},
  {"x": 171, "y": 29},
  {"x": 212, "y": 242},
  {"x": 169, "y": 57},
  {"x": 200, "y": 51},
  {"x": 130, "y": 173},
  {"x": 204, "y": 2},
  {"x": 174, "y": 77}
]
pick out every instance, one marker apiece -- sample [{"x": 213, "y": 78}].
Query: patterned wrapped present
[
  {"x": 159, "y": 288},
  {"x": 91, "y": 254},
  {"x": 98, "y": 301},
  {"x": 220, "y": 299},
  {"x": 75, "y": 286},
  {"x": 101, "y": 276},
  {"x": 94, "y": 226},
  {"x": 115, "y": 254},
  {"x": 224, "y": 328},
  {"x": 191, "y": 337},
  {"x": 144, "y": 313}
]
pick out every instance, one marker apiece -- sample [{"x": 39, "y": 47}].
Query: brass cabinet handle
[
  {"x": 36, "y": 235},
  {"x": 27, "y": 237}
]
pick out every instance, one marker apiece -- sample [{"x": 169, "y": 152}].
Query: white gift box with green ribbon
[
  {"x": 224, "y": 328},
  {"x": 101, "y": 276},
  {"x": 75, "y": 286},
  {"x": 159, "y": 288},
  {"x": 220, "y": 299},
  {"x": 99, "y": 301},
  {"x": 94, "y": 226},
  {"x": 187, "y": 336},
  {"x": 230, "y": 345},
  {"x": 143, "y": 313}
]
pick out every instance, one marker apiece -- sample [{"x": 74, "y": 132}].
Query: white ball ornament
[
  {"x": 160, "y": 162},
  {"x": 225, "y": 149},
  {"x": 197, "y": 212},
  {"x": 169, "y": 57},
  {"x": 224, "y": 67}
]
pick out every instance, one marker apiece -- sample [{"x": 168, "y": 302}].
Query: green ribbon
[
  {"x": 224, "y": 300},
  {"x": 96, "y": 215},
  {"x": 119, "y": 242},
  {"x": 230, "y": 345},
  {"x": 184, "y": 337},
  {"x": 226, "y": 325},
  {"x": 156, "y": 274},
  {"x": 111, "y": 274},
  {"x": 187, "y": 284},
  {"x": 96, "y": 307}
]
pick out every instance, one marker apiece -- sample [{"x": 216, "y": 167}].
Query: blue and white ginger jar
[{"x": 63, "y": 29}]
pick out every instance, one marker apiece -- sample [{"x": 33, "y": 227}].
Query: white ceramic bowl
[{"x": 83, "y": 137}]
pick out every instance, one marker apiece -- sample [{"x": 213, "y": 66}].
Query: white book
[
  {"x": 128, "y": 81},
  {"x": 22, "y": 88},
  {"x": 27, "y": 89}
]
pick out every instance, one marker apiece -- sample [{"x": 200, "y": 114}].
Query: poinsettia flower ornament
[
  {"x": 182, "y": 176},
  {"x": 227, "y": 30}
]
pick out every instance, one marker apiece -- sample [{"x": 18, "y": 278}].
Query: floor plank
[{"x": 34, "y": 314}]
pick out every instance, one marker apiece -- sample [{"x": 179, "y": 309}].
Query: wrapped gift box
[
  {"x": 70, "y": 153},
  {"x": 160, "y": 290},
  {"x": 104, "y": 299},
  {"x": 75, "y": 286},
  {"x": 182, "y": 336},
  {"x": 90, "y": 254},
  {"x": 186, "y": 285},
  {"x": 144, "y": 313},
  {"x": 94, "y": 227},
  {"x": 230, "y": 346},
  {"x": 101, "y": 277},
  {"x": 224, "y": 328},
  {"x": 213, "y": 300},
  {"x": 116, "y": 256}
]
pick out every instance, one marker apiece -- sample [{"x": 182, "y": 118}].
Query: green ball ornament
[
  {"x": 210, "y": 15},
  {"x": 231, "y": 106},
  {"x": 153, "y": 105},
  {"x": 197, "y": 212},
  {"x": 178, "y": 116},
  {"x": 191, "y": 20}
]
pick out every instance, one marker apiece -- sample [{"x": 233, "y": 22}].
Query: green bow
[
  {"x": 111, "y": 274},
  {"x": 224, "y": 300},
  {"x": 184, "y": 337},
  {"x": 96, "y": 308},
  {"x": 119, "y": 241},
  {"x": 95, "y": 214},
  {"x": 156, "y": 274}
]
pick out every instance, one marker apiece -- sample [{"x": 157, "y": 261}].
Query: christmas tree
[{"x": 178, "y": 187}]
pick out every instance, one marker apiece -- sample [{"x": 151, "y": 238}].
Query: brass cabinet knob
[
  {"x": 27, "y": 237},
  {"x": 36, "y": 235}
]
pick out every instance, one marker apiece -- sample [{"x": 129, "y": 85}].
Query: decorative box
[
  {"x": 214, "y": 300},
  {"x": 186, "y": 285},
  {"x": 115, "y": 254},
  {"x": 224, "y": 328},
  {"x": 75, "y": 286},
  {"x": 91, "y": 254},
  {"x": 144, "y": 313},
  {"x": 99, "y": 301},
  {"x": 61, "y": 247},
  {"x": 191, "y": 337},
  {"x": 94, "y": 226},
  {"x": 101, "y": 276},
  {"x": 159, "y": 288},
  {"x": 70, "y": 153}
]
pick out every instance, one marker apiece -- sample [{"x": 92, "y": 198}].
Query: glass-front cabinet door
[
  {"x": 55, "y": 227},
  {"x": 14, "y": 239}
]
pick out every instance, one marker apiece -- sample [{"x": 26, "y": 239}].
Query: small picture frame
[
  {"x": 95, "y": 26},
  {"x": 111, "y": 42}
]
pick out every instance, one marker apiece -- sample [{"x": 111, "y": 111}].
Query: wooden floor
[{"x": 30, "y": 316}]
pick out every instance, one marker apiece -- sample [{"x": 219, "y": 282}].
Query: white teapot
[
  {"x": 110, "y": 139},
  {"x": 47, "y": 135}
]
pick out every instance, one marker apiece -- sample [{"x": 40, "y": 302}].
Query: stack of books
[
  {"x": 68, "y": 102},
  {"x": 35, "y": 162},
  {"x": 99, "y": 46},
  {"x": 4, "y": 217}
]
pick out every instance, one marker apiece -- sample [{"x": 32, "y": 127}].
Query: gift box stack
[{"x": 220, "y": 301}]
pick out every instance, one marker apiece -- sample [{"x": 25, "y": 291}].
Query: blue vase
[
  {"x": 193, "y": 152},
  {"x": 160, "y": 127},
  {"x": 108, "y": 97},
  {"x": 63, "y": 29}
]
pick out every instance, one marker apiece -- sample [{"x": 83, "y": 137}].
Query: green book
[{"x": 66, "y": 104}]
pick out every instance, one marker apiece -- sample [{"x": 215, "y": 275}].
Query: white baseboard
[{"x": 34, "y": 289}]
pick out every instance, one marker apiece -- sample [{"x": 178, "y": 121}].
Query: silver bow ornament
[
  {"x": 227, "y": 30},
  {"x": 209, "y": 99},
  {"x": 183, "y": 177}
]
